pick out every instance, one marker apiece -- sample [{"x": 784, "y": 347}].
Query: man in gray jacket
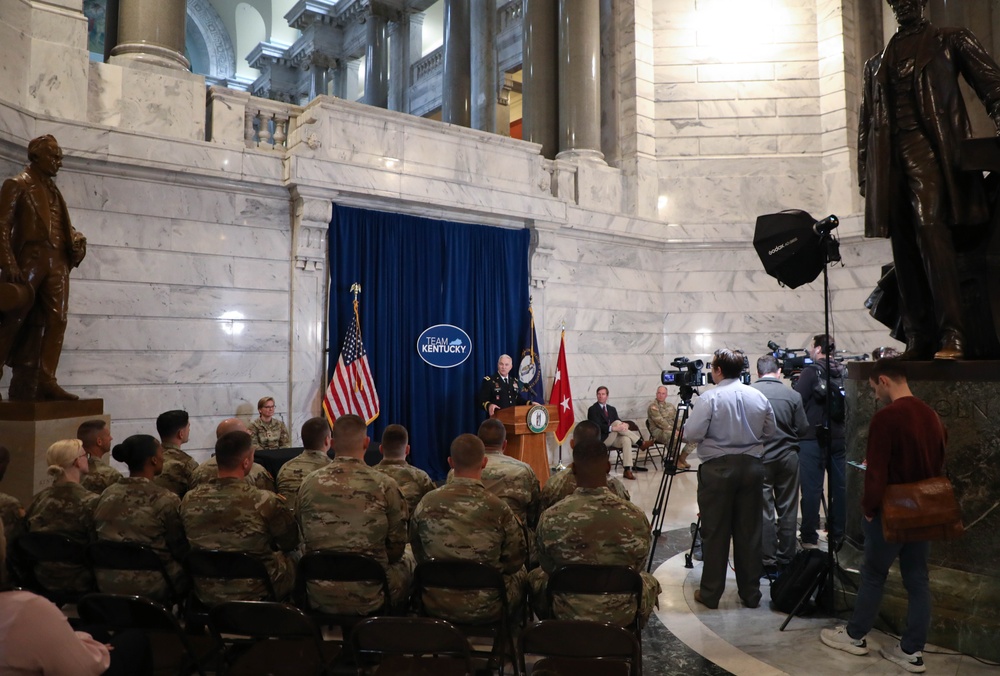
[{"x": 781, "y": 466}]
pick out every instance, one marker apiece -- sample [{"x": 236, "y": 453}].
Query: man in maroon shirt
[{"x": 906, "y": 442}]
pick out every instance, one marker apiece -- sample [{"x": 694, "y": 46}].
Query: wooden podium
[{"x": 522, "y": 443}]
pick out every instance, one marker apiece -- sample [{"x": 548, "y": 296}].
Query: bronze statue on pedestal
[
  {"x": 38, "y": 247},
  {"x": 912, "y": 124}
]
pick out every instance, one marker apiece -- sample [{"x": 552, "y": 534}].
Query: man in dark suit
[
  {"x": 912, "y": 123},
  {"x": 38, "y": 246},
  {"x": 614, "y": 432},
  {"x": 502, "y": 389}
]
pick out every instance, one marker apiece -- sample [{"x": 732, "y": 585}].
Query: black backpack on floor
[{"x": 802, "y": 574}]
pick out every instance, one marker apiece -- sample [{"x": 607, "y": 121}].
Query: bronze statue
[
  {"x": 913, "y": 120},
  {"x": 38, "y": 246}
]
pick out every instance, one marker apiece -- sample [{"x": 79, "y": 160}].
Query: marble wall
[{"x": 205, "y": 285}]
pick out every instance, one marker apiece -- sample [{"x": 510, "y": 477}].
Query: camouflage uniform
[
  {"x": 137, "y": 510},
  {"x": 231, "y": 515},
  {"x": 269, "y": 435},
  {"x": 100, "y": 476},
  {"x": 593, "y": 526},
  {"x": 350, "y": 508},
  {"x": 209, "y": 470},
  {"x": 661, "y": 416},
  {"x": 462, "y": 520},
  {"x": 413, "y": 482},
  {"x": 292, "y": 473},
  {"x": 65, "y": 508},
  {"x": 562, "y": 484},
  {"x": 12, "y": 517},
  {"x": 177, "y": 469}
]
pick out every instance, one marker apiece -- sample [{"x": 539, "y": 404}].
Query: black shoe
[{"x": 636, "y": 468}]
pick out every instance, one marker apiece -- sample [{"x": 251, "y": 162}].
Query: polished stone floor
[{"x": 687, "y": 638}]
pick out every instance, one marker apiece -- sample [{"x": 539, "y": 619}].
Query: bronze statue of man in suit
[
  {"x": 912, "y": 122},
  {"x": 38, "y": 246}
]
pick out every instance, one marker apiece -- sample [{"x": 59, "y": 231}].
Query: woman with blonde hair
[
  {"x": 65, "y": 508},
  {"x": 266, "y": 432}
]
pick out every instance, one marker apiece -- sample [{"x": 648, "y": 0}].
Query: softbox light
[{"x": 789, "y": 247}]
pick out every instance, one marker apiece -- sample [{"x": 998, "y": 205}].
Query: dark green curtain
[{"x": 415, "y": 273}]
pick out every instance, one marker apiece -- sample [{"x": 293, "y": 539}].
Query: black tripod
[
  {"x": 826, "y": 581},
  {"x": 670, "y": 468}
]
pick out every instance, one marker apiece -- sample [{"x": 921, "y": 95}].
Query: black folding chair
[
  {"x": 470, "y": 576},
  {"x": 263, "y": 638},
  {"x": 336, "y": 567},
  {"x": 598, "y": 580},
  {"x": 212, "y": 564},
  {"x": 660, "y": 449},
  {"x": 410, "y": 646},
  {"x": 581, "y": 647},
  {"x": 54, "y": 549},
  {"x": 173, "y": 649},
  {"x": 637, "y": 446},
  {"x": 130, "y": 556}
]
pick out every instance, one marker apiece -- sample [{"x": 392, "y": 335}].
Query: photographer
[
  {"x": 812, "y": 449},
  {"x": 730, "y": 423}
]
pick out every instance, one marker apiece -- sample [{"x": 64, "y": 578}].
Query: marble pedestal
[
  {"x": 28, "y": 428},
  {"x": 965, "y": 574}
]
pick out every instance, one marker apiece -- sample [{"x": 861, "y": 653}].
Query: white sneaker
[
  {"x": 839, "y": 639},
  {"x": 913, "y": 663}
]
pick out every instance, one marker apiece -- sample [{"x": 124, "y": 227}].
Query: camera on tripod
[
  {"x": 688, "y": 374},
  {"x": 790, "y": 361}
]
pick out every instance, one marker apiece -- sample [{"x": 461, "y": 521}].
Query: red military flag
[
  {"x": 352, "y": 388},
  {"x": 561, "y": 395}
]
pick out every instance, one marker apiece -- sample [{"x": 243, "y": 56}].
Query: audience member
[
  {"x": 412, "y": 481},
  {"x": 230, "y": 514},
  {"x": 11, "y": 511},
  {"x": 730, "y": 423},
  {"x": 781, "y": 466},
  {"x": 593, "y": 526},
  {"x": 351, "y": 508},
  {"x": 661, "y": 415},
  {"x": 259, "y": 476},
  {"x": 267, "y": 432},
  {"x": 174, "y": 428},
  {"x": 562, "y": 484},
  {"x": 813, "y": 460},
  {"x": 96, "y": 438},
  {"x": 615, "y": 433},
  {"x": 137, "y": 510},
  {"x": 36, "y": 638},
  {"x": 463, "y": 521},
  {"x": 906, "y": 443},
  {"x": 65, "y": 508},
  {"x": 316, "y": 440}
]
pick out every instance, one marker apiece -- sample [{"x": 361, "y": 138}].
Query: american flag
[{"x": 352, "y": 388}]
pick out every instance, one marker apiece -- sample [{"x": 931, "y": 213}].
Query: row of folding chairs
[
  {"x": 254, "y": 638},
  {"x": 338, "y": 567}
]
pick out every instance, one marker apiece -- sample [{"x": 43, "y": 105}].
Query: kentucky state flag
[{"x": 529, "y": 371}]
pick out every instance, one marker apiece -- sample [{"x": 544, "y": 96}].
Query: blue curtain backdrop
[{"x": 415, "y": 273}]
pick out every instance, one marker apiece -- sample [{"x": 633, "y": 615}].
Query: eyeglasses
[{"x": 271, "y": 406}]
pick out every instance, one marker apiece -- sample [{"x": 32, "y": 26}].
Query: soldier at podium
[{"x": 502, "y": 389}]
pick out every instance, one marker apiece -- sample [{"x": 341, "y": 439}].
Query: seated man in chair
[
  {"x": 615, "y": 432},
  {"x": 594, "y": 527}
]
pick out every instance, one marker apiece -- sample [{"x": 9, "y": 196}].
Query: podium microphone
[{"x": 826, "y": 226}]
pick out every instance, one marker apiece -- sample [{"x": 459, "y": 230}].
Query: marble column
[
  {"x": 377, "y": 61},
  {"x": 580, "y": 80},
  {"x": 611, "y": 80},
  {"x": 540, "y": 75},
  {"x": 151, "y": 31},
  {"x": 345, "y": 84},
  {"x": 483, "y": 53},
  {"x": 456, "y": 83},
  {"x": 399, "y": 68},
  {"x": 311, "y": 220}
]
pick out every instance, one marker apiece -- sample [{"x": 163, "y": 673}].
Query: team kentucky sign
[{"x": 444, "y": 346}]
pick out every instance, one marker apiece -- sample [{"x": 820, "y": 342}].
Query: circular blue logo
[{"x": 444, "y": 346}]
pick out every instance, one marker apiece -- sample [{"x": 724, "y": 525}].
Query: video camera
[
  {"x": 790, "y": 361},
  {"x": 688, "y": 374}
]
